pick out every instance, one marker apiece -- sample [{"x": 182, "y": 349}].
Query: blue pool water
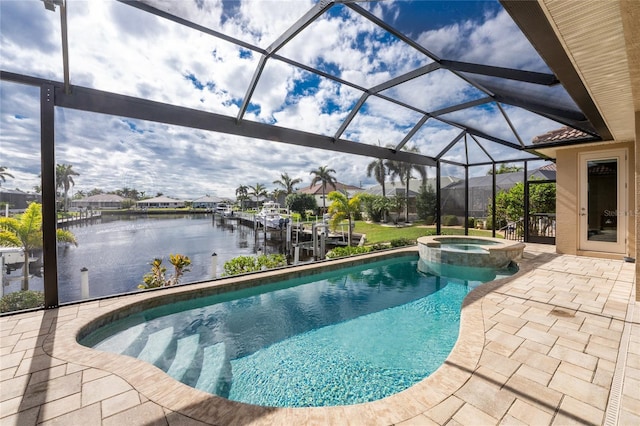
[{"x": 336, "y": 338}]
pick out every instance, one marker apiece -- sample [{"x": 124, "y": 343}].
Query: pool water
[{"x": 337, "y": 338}]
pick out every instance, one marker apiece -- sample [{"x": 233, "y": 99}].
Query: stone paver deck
[{"x": 558, "y": 343}]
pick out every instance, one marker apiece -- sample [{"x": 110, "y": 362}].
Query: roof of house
[
  {"x": 208, "y": 199},
  {"x": 102, "y": 198},
  {"x": 161, "y": 199},
  {"x": 505, "y": 180},
  {"x": 562, "y": 134},
  {"x": 317, "y": 188},
  {"x": 397, "y": 187}
]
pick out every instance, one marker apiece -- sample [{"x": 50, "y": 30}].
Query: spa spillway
[{"x": 439, "y": 253}]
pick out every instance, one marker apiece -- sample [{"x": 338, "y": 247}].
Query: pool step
[
  {"x": 119, "y": 343},
  {"x": 185, "y": 354},
  {"x": 157, "y": 343},
  {"x": 215, "y": 374}
]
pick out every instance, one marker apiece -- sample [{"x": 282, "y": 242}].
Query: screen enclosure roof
[{"x": 416, "y": 81}]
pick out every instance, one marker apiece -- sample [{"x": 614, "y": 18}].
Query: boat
[
  {"x": 228, "y": 212},
  {"x": 272, "y": 216},
  {"x": 221, "y": 208},
  {"x": 13, "y": 258}
]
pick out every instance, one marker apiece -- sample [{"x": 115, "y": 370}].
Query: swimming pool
[{"x": 343, "y": 337}]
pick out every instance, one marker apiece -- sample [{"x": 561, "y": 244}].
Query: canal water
[{"x": 117, "y": 251}]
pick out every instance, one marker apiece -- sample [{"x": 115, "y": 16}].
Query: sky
[{"x": 115, "y": 47}]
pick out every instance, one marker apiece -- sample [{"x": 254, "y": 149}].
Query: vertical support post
[
  {"x": 48, "y": 173},
  {"x": 214, "y": 265},
  {"x": 84, "y": 283},
  {"x": 466, "y": 200},
  {"x": 314, "y": 234},
  {"x": 525, "y": 219},
  {"x": 493, "y": 200},
  {"x": 323, "y": 241},
  {"x": 1, "y": 275},
  {"x": 438, "y": 199},
  {"x": 296, "y": 254}
]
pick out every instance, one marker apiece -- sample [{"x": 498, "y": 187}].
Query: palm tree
[
  {"x": 258, "y": 191},
  {"x": 4, "y": 174},
  {"x": 64, "y": 179},
  {"x": 403, "y": 171},
  {"x": 25, "y": 231},
  {"x": 287, "y": 183},
  {"x": 379, "y": 169},
  {"x": 323, "y": 175},
  {"x": 242, "y": 193},
  {"x": 277, "y": 193},
  {"x": 342, "y": 207}
]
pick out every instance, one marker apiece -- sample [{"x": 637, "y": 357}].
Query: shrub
[
  {"x": 156, "y": 278},
  {"x": 347, "y": 251},
  {"x": 400, "y": 242},
  {"x": 245, "y": 264},
  {"x": 500, "y": 223},
  {"x": 471, "y": 222},
  {"x": 21, "y": 300},
  {"x": 450, "y": 220},
  {"x": 300, "y": 202},
  {"x": 430, "y": 220}
]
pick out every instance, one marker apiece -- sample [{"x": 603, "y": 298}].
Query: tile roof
[{"x": 565, "y": 133}]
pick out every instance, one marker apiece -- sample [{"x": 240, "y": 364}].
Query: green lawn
[{"x": 379, "y": 234}]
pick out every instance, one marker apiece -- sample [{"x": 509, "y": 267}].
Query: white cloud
[{"x": 116, "y": 47}]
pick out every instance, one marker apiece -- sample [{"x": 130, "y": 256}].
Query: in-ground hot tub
[{"x": 439, "y": 253}]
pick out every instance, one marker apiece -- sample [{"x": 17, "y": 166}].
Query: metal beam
[
  {"x": 533, "y": 22},
  {"x": 252, "y": 87},
  {"x": 540, "y": 108},
  {"x": 388, "y": 28},
  {"x": 481, "y": 134},
  {"x": 351, "y": 116},
  {"x": 92, "y": 100},
  {"x": 451, "y": 144},
  {"x": 302, "y": 23},
  {"x": 462, "y": 106},
  {"x": 65, "y": 46},
  {"x": 406, "y": 77},
  {"x": 500, "y": 72},
  {"x": 412, "y": 132},
  {"x": 48, "y": 183},
  {"x": 182, "y": 21},
  {"x": 482, "y": 148}
]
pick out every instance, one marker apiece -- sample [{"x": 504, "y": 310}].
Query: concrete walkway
[{"x": 558, "y": 343}]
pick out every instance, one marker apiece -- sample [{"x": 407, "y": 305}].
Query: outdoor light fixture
[{"x": 51, "y": 4}]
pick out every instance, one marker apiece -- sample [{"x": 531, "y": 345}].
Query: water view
[{"x": 117, "y": 251}]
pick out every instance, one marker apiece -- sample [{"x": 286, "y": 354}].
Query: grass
[{"x": 379, "y": 234}]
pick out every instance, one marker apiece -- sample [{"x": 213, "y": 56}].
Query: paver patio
[{"x": 558, "y": 343}]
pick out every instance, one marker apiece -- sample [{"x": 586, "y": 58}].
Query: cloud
[{"x": 118, "y": 48}]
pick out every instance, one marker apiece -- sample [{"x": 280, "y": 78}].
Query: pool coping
[{"x": 161, "y": 389}]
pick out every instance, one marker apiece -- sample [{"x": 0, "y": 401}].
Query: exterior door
[{"x": 602, "y": 203}]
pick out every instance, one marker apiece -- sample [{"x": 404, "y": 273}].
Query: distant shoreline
[{"x": 155, "y": 212}]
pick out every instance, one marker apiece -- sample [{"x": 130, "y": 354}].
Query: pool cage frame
[
  {"x": 62, "y": 94},
  {"x": 53, "y": 94}
]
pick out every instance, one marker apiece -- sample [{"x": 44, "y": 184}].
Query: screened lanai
[{"x": 170, "y": 96}]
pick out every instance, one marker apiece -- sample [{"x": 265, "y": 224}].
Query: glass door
[{"x": 602, "y": 204}]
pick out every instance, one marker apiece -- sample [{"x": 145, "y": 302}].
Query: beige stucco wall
[
  {"x": 567, "y": 200},
  {"x": 637, "y": 204}
]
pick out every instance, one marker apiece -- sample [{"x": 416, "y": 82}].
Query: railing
[
  {"x": 514, "y": 230},
  {"x": 542, "y": 228}
]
